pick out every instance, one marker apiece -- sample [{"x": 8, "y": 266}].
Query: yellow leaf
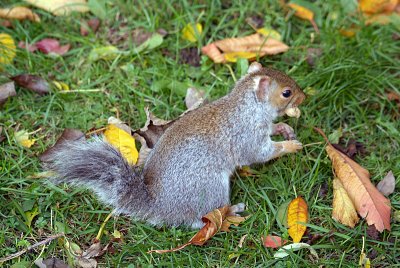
[
  {"x": 7, "y": 49},
  {"x": 233, "y": 56},
  {"x": 348, "y": 32},
  {"x": 22, "y": 138},
  {"x": 19, "y": 13},
  {"x": 343, "y": 208},
  {"x": 123, "y": 141},
  {"x": 297, "y": 217},
  {"x": 30, "y": 215},
  {"x": 377, "y": 6},
  {"x": 61, "y": 7},
  {"x": 270, "y": 33},
  {"x": 191, "y": 34},
  {"x": 302, "y": 12},
  {"x": 61, "y": 85}
]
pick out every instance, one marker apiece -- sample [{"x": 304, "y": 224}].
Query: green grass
[{"x": 350, "y": 78}]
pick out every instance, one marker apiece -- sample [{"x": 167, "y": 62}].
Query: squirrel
[{"x": 187, "y": 173}]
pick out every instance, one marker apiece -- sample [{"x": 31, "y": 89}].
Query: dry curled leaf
[
  {"x": 6, "y": 90},
  {"x": 61, "y": 7},
  {"x": 343, "y": 208},
  {"x": 68, "y": 134},
  {"x": 50, "y": 45},
  {"x": 368, "y": 201},
  {"x": 123, "y": 141},
  {"x": 194, "y": 98},
  {"x": 250, "y": 47},
  {"x": 90, "y": 25},
  {"x": 296, "y": 218},
  {"x": 19, "y": 13},
  {"x": 217, "y": 220},
  {"x": 273, "y": 241},
  {"x": 387, "y": 184},
  {"x": 32, "y": 82}
]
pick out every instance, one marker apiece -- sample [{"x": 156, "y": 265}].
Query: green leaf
[
  {"x": 154, "y": 41},
  {"x": 30, "y": 215},
  {"x": 281, "y": 213},
  {"x": 104, "y": 53},
  {"x": 98, "y": 8}
]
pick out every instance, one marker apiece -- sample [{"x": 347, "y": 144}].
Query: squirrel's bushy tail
[{"x": 100, "y": 167}]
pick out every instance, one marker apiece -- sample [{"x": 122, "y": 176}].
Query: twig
[{"x": 19, "y": 253}]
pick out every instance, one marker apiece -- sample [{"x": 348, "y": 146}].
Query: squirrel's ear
[
  {"x": 254, "y": 67},
  {"x": 262, "y": 88}
]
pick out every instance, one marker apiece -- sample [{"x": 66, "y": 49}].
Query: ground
[{"x": 346, "y": 86}]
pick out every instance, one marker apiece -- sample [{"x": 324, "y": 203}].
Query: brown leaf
[
  {"x": 273, "y": 241},
  {"x": 387, "y": 184},
  {"x": 7, "y": 90},
  {"x": 372, "y": 232},
  {"x": 32, "y": 82},
  {"x": 217, "y": 220},
  {"x": 68, "y": 134},
  {"x": 92, "y": 24},
  {"x": 6, "y": 24},
  {"x": 50, "y": 45},
  {"x": 393, "y": 96},
  {"x": 352, "y": 148},
  {"x": 250, "y": 46},
  {"x": 140, "y": 35},
  {"x": 368, "y": 201},
  {"x": 343, "y": 208},
  {"x": 19, "y": 13}
]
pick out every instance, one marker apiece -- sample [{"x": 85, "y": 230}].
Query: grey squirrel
[{"x": 186, "y": 175}]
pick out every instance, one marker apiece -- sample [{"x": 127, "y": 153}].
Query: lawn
[{"x": 346, "y": 86}]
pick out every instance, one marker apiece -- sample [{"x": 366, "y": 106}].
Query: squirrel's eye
[{"x": 287, "y": 93}]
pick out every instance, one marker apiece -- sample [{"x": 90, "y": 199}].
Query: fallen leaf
[
  {"x": 241, "y": 241},
  {"x": 297, "y": 217},
  {"x": 273, "y": 241},
  {"x": 50, "y": 263},
  {"x": 68, "y": 134},
  {"x": 85, "y": 263},
  {"x": 154, "y": 41},
  {"x": 7, "y": 49},
  {"x": 282, "y": 213},
  {"x": 123, "y": 141},
  {"x": 6, "y": 24},
  {"x": 364, "y": 262},
  {"x": 104, "y": 53},
  {"x": 61, "y": 85},
  {"x": 372, "y": 232},
  {"x": 387, "y": 184},
  {"x": 29, "y": 47},
  {"x": 217, "y": 220},
  {"x": 140, "y": 35},
  {"x": 268, "y": 32},
  {"x": 377, "y": 6},
  {"x": 283, "y": 252},
  {"x": 117, "y": 122},
  {"x": 348, "y": 32},
  {"x": 30, "y": 215},
  {"x": 192, "y": 32},
  {"x": 313, "y": 54},
  {"x": 343, "y": 208},
  {"x": 92, "y": 24},
  {"x": 335, "y": 136},
  {"x": 19, "y": 13},
  {"x": 22, "y": 138},
  {"x": 304, "y": 13},
  {"x": 249, "y": 47},
  {"x": 194, "y": 98},
  {"x": 7, "y": 90},
  {"x": 189, "y": 56},
  {"x": 32, "y": 82},
  {"x": 50, "y": 45},
  {"x": 61, "y": 7},
  {"x": 368, "y": 201},
  {"x": 393, "y": 96},
  {"x": 352, "y": 148}
]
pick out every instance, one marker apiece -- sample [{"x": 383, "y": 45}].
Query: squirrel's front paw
[
  {"x": 292, "y": 146},
  {"x": 285, "y": 130}
]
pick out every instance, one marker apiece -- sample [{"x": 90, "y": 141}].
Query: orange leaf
[
  {"x": 369, "y": 202},
  {"x": 273, "y": 241},
  {"x": 343, "y": 208},
  {"x": 377, "y": 6},
  {"x": 217, "y": 220},
  {"x": 19, "y": 13},
  {"x": 297, "y": 216},
  {"x": 249, "y": 46}
]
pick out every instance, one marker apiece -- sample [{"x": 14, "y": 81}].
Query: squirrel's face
[{"x": 277, "y": 89}]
